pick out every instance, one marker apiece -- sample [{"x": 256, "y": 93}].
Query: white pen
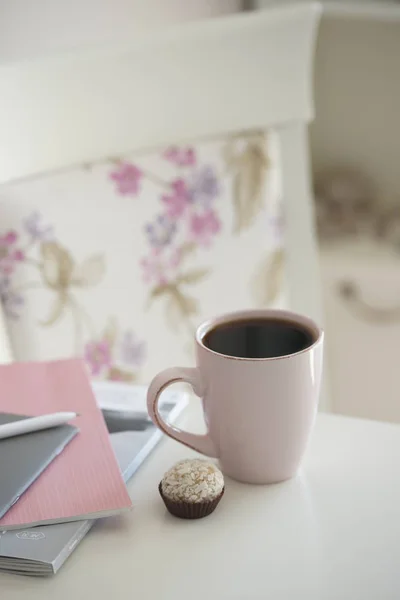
[{"x": 35, "y": 424}]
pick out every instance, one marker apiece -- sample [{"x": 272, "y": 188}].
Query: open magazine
[{"x": 42, "y": 551}]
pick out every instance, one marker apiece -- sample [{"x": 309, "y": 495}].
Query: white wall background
[
  {"x": 357, "y": 96},
  {"x": 357, "y": 90}
]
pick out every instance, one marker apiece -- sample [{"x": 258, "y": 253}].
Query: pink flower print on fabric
[
  {"x": 128, "y": 178},
  {"x": 178, "y": 200},
  {"x": 203, "y": 227},
  {"x": 154, "y": 268},
  {"x": 159, "y": 268},
  {"x": 98, "y": 357},
  {"x": 204, "y": 188},
  {"x": 277, "y": 228},
  {"x": 35, "y": 228},
  {"x": 181, "y": 157},
  {"x": 132, "y": 351},
  {"x": 175, "y": 258},
  {"x": 11, "y": 301},
  {"x": 9, "y": 254},
  {"x": 161, "y": 231}
]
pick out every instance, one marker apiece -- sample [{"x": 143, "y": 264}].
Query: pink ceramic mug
[{"x": 258, "y": 374}]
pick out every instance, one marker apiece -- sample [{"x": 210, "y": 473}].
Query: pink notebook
[{"x": 84, "y": 481}]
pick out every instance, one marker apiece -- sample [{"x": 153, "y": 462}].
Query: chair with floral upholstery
[{"x": 145, "y": 188}]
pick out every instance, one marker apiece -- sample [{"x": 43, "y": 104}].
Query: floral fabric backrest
[{"x": 119, "y": 261}]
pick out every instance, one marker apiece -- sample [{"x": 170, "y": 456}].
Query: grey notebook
[
  {"x": 41, "y": 551},
  {"x": 24, "y": 457}
]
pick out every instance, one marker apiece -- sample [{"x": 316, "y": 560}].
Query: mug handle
[{"x": 200, "y": 443}]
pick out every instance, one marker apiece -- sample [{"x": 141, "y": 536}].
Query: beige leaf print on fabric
[
  {"x": 179, "y": 307},
  {"x": 187, "y": 248},
  {"x": 173, "y": 316},
  {"x": 268, "y": 280},
  {"x": 246, "y": 157},
  {"x": 188, "y": 306},
  {"x": 57, "y": 309},
  {"x": 193, "y": 276},
  {"x": 57, "y": 265},
  {"x": 111, "y": 331},
  {"x": 90, "y": 272},
  {"x": 61, "y": 274},
  {"x": 117, "y": 374}
]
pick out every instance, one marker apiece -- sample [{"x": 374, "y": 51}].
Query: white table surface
[{"x": 333, "y": 532}]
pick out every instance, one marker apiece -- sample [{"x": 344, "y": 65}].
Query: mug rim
[{"x": 287, "y": 315}]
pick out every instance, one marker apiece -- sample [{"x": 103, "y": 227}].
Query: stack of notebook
[
  {"x": 84, "y": 480},
  {"x": 59, "y": 480}
]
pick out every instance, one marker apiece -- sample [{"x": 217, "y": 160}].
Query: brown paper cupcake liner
[{"x": 190, "y": 510}]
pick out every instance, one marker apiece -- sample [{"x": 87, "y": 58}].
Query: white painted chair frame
[{"x": 203, "y": 79}]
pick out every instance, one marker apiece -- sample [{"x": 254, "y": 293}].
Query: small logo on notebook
[{"x": 30, "y": 535}]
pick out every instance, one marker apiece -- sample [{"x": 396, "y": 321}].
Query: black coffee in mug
[{"x": 259, "y": 338}]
